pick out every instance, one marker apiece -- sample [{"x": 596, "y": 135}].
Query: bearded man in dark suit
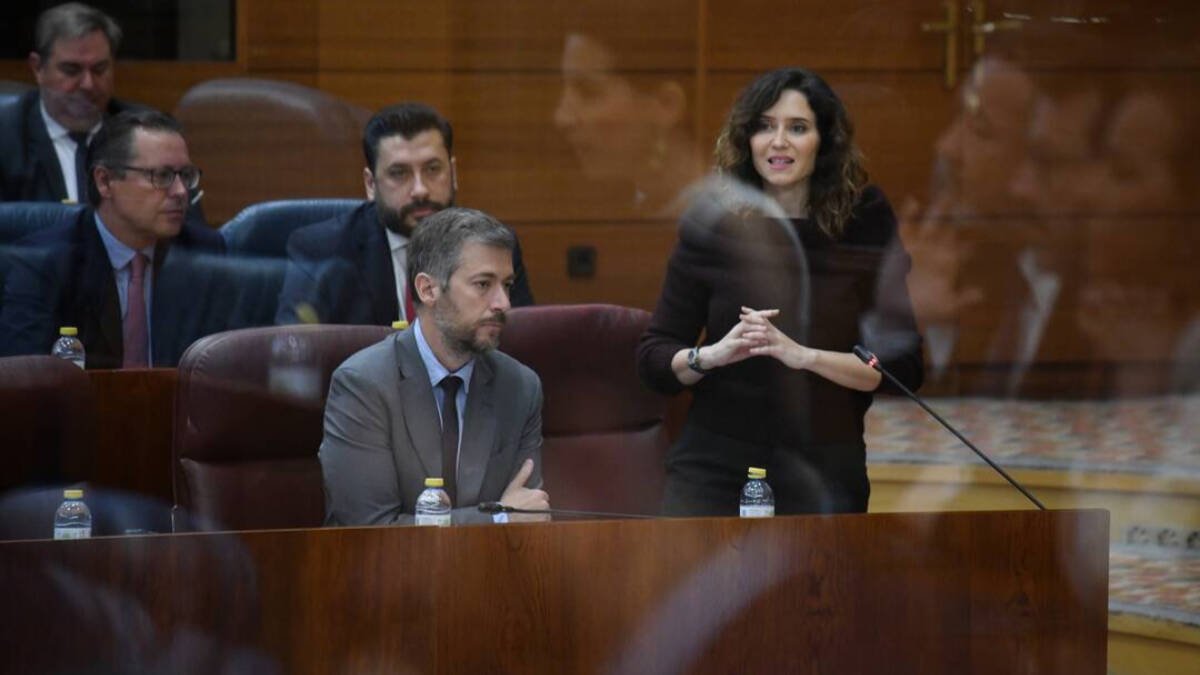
[{"x": 352, "y": 268}]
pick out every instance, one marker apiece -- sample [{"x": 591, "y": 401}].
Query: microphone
[
  {"x": 497, "y": 507},
  {"x": 873, "y": 361}
]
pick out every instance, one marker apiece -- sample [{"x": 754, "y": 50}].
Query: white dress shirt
[
  {"x": 64, "y": 147},
  {"x": 399, "y": 246}
]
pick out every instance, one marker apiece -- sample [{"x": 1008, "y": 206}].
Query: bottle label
[
  {"x": 434, "y": 519},
  {"x": 72, "y": 532},
  {"x": 757, "y": 511}
]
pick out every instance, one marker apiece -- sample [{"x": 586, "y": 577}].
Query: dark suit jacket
[
  {"x": 342, "y": 267},
  {"x": 383, "y": 435},
  {"x": 63, "y": 277},
  {"x": 29, "y": 168}
]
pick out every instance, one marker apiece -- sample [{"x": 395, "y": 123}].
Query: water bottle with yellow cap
[{"x": 757, "y": 499}]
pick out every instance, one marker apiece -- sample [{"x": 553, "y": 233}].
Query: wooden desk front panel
[
  {"x": 134, "y": 419},
  {"x": 995, "y": 592}
]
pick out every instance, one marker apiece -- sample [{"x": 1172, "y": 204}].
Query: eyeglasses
[{"x": 163, "y": 178}]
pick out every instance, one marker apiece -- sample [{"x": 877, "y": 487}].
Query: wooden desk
[
  {"x": 988, "y": 592},
  {"x": 135, "y": 411}
]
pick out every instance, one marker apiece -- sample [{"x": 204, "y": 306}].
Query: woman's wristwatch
[{"x": 693, "y": 361}]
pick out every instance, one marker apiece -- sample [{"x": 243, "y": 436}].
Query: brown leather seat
[
  {"x": 605, "y": 434},
  {"x": 247, "y": 431},
  {"x": 245, "y": 457},
  {"x": 259, "y": 140}
]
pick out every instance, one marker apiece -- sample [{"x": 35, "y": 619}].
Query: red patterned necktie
[{"x": 134, "y": 334}]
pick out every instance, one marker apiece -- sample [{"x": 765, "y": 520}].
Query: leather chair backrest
[
  {"x": 247, "y": 431},
  {"x": 218, "y": 293},
  {"x": 605, "y": 437},
  {"x": 259, "y": 140},
  {"x": 263, "y": 229},
  {"x": 18, "y": 219}
]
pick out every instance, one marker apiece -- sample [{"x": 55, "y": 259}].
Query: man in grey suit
[{"x": 397, "y": 410}]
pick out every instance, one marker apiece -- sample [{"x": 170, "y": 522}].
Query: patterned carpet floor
[
  {"x": 1150, "y": 436},
  {"x": 1157, "y": 582}
]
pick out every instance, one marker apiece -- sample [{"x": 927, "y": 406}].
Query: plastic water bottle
[
  {"x": 433, "y": 506},
  {"x": 73, "y": 520},
  {"x": 757, "y": 499},
  {"x": 68, "y": 346}
]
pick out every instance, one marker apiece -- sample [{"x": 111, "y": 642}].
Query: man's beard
[
  {"x": 80, "y": 111},
  {"x": 396, "y": 221},
  {"x": 463, "y": 339}
]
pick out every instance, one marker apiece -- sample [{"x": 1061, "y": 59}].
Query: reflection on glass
[
  {"x": 1052, "y": 255},
  {"x": 625, "y": 127},
  {"x": 1051, "y": 281}
]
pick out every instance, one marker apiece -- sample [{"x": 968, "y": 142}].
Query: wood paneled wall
[{"x": 497, "y": 71}]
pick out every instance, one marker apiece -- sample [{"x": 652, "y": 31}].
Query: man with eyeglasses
[
  {"x": 353, "y": 268},
  {"x": 100, "y": 273}
]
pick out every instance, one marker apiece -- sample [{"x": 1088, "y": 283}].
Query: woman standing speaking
[{"x": 778, "y": 273}]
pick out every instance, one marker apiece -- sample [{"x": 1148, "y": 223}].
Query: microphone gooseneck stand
[{"x": 873, "y": 361}]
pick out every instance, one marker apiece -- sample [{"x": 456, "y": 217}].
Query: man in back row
[
  {"x": 101, "y": 272},
  {"x": 44, "y": 134},
  {"x": 352, "y": 268}
]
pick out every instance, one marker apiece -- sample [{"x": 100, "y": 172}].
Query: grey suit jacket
[{"x": 383, "y": 435}]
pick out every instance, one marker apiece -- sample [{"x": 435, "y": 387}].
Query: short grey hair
[
  {"x": 70, "y": 21},
  {"x": 436, "y": 245}
]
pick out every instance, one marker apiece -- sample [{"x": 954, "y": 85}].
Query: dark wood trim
[{"x": 986, "y": 592}]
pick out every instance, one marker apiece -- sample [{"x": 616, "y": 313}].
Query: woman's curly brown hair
[{"x": 838, "y": 175}]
